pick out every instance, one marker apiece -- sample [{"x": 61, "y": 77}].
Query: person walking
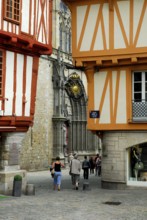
[
  {"x": 75, "y": 168},
  {"x": 57, "y": 173},
  {"x": 85, "y": 167},
  {"x": 92, "y": 165},
  {"x": 98, "y": 162},
  {"x": 96, "y": 167}
]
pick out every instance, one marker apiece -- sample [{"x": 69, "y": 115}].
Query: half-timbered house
[
  {"x": 110, "y": 42},
  {"x": 25, "y": 34}
]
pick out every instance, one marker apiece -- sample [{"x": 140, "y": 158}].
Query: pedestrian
[
  {"x": 70, "y": 157},
  {"x": 85, "y": 167},
  {"x": 57, "y": 165},
  {"x": 52, "y": 171},
  {"x": 92, "y": 165},
  {"x": 96, "y": 167},
  {"x": 98, "y": 162},
  {"x": 75, "y": 168}
]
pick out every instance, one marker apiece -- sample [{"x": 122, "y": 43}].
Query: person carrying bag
[{"x": 57, "y": 165}]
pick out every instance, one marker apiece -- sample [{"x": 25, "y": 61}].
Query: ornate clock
[{"x": 74, "y": 87}]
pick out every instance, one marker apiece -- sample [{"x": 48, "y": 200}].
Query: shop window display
[{"x": 138, "y": 163}]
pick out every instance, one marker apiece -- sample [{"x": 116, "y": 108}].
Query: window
[
  {"x": 1, "y": 71},
  {"x": 140, "y": 86},
  {"x": 65, "y": 40},
  {"x": 63, "y": 7},
  {"x": 140, "y": 95},
  {"x": 12, "y": 10},
  {"x": 65, "y": 29},
  {"x": 137, "y": 165}
]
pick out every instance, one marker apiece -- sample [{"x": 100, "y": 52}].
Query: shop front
[{"x": 137, "y": 165}]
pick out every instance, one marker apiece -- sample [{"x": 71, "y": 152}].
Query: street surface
[{"x": 69, "y": 204}]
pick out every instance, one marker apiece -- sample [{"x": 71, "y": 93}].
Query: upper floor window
[
  {"x": 1, "y": 71},
  {"x": 12, "y": 10},
  {"x": 65, "y": 28},
  {"x": 139, "y": 104},
  {"x": 65, "y": 40},
  {"x": 63, "y": 7},
  {"x": 140, "y": 86}
]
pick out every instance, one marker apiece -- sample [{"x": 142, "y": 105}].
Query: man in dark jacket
[{"x": 85, "y": 167}]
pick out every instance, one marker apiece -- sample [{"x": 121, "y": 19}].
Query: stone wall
[
  {"x": 11, "y": 145},
  {"x": 7, "y": 179},
  {"x": 114, "y": 160},
  {"x": 36, "y": 153}
]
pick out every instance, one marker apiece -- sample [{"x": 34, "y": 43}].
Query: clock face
[{"x": 73, "y": 87}]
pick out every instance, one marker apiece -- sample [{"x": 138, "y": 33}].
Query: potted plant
[{"x": 17, "y": 185}]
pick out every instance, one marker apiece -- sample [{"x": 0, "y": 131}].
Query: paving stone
[{"x": 69, "y": 204}]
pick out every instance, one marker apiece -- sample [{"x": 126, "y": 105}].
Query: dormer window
[{"x": 12, "y": 10}]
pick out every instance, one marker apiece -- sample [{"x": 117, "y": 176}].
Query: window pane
[
  {"x": 145, "y": 76},
  {"x": 137, "y": 97},
  {"x": 9, "y": 15},
  {"x": 137, "y": 76},
  {"x": 137, "y": 87},
  {"x": 13, "y": 9},
  {"x": 9, "y": 2},
  {"x": 146, "y": 87}
]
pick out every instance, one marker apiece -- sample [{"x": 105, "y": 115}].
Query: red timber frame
[{"x": 25, "y": 44}]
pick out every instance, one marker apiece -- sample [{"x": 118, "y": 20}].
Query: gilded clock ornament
[
  {"x": 75, "y": 89},
  {"x": 73, "y": 86}
]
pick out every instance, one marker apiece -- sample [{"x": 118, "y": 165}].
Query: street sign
[{"x": 94, "y": 114}]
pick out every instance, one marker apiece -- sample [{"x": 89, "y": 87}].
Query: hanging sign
[{"x": 94, "y": 114}]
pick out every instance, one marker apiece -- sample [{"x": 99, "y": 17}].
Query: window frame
[
  {"x": 139, "y": 104},
  {"x": 13, "y": 20},
  {"x": 65, "y": 31},
  {"x": 143, "y": 89}
]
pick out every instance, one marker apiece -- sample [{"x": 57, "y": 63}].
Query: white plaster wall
[
  {"x": 25, "y": 16},
  {"x": 9, "y": 82},
  {"x": 29, "y": 69},
  {"x": 89, "y": 29}
]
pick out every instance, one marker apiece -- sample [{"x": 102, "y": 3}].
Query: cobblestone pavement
[{"x": 69, "y": 204}]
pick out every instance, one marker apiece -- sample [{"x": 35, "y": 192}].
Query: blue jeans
[{"x": 57, "y": 178}]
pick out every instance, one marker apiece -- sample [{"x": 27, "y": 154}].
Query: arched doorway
[
  {"x": 81, "y": 140},
  {"x": 70, "y": 117}
]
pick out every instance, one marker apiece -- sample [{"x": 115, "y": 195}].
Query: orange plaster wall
[{"x": 94, "y": 124}]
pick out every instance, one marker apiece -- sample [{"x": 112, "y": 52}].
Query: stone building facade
[
  {"x": 60, "y": 121},
  {"x": 117, "y": 148},
  {"x": 37, "y": 144}
]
